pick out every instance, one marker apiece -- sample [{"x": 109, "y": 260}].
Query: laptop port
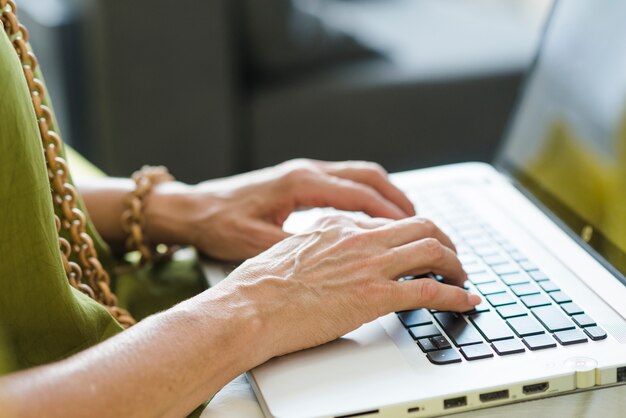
[
  {"x": 536, "y": 388},
  {"x": 621, "y": 374},
  {"x": 455, "y": 402},
  {"x": 494, "y": 396}
]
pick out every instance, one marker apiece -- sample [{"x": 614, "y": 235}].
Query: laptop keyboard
[{"x": 522, "y": 308}]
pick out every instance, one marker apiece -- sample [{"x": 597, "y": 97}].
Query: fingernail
[{"x": 474, "y": 299}]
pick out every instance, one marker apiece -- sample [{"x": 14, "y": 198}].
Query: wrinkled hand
[
  {"x": 314, "y": 287},
  {"x": 241, "y": 216}
]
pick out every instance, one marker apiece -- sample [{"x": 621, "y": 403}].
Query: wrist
[{"x": 165, "y": 209}]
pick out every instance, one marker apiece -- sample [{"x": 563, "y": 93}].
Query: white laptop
[{"x": 542, "y": 234}]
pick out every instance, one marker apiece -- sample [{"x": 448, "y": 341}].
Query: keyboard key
[
  {"x": 505, "y": 269},
  {"x": 490, "y": 288},
  {"x": 573, "y": 336},
  {"x": 518, "y": 256},
  {"x": 583, "y": 320},
  {"x": 511, "y": 311},
  {"x": 474, "y": 268},
  {"x": 525, "y": 289},
  {"x": 440, "y": 342},
  {"x": 447, "y": 356},
  {"x": 415, "y": 318},
  {"x": 571, "y": 308},
  {"x": 525, "y": 326},
  {"x": 528, "y": 265},
  {"x": 533, "y": 301},
  {"x": 515, "y": 278},
  {"x": 500, "y": 299},
  {"x": 458, "y": 329},
  {"x": 560, "y": 297},
  {"x": 424, "y": 331},
  {"x": 426, "y": 345},
  {"x": 553, "y": 318},
  {"x": 496, "y": 259},
  {"x": 549, "y": 286},
  {"x": 595, "y": 333},
  {"x": 491, "y": 326},
  {"x": 539, "y": 342},
  {"x": 483, "y": 277},
  {"x": 476, "y": 351},
  {"x": 538, "y": 275},
  {"x": 506, "y": 347},
  {"x": 508, "y": 247},
  {"x": 485, "y": 251},
  {"x": 467, "y": 259},
  {"x": 484, "y": 306}
]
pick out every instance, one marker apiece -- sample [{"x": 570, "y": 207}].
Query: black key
[
  {"x": 484, "y": 306},
  {"x": 500, "y": 299},
  {"x": 494, "y": 260},
  {"x": 515, "y": 278},
  {"x": 583, "y": 320},
  {"x": 533, "y": 301},
  {"x": 505, "y": 269},
  {"x": 525, "y": 326},
  {"x": 424, "y": 331},
  {"x": 560, "y": 297},
  {"x": 538, "y": 275},
  {"x": 446, "y": 356},
  {"x": 511, "y": 311},
  {"x": 415, "y": 318},
  {"x": 571, "y": 308},
  {"x": 525, "y": 289},
  {"x": 476, "y": 351},
  {"x": 490, "y": 288},
  {"x": 426, "y": 345},
  {"x": 572, "y": 336},
  {"x": 457, "y": 328},
  {"x": 506, "y": 347},
  {"x": 479, "y": 278},
  {"x": 553, "y": 318},
  {"x": 491, "y": 326},
  {"x": 549, "y": 286},
  {"x": 528, "y": 266},
  {"x": 440, "y": 342},
  {"x": 595, "y": 333},
  {"x": 539, "y": 342}
]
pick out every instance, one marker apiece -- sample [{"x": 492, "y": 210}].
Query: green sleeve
[{"x": 42, "y": 317}]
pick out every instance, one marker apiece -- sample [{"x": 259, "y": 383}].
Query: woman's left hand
[{"x": 236, "y": 218}]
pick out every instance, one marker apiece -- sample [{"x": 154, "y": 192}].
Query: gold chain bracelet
[{"x": 133, "y": 220}]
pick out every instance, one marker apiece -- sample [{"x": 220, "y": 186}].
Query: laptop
[{"x": 542, "y": 235}]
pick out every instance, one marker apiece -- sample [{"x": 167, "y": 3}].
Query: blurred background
[{"x": 215, "y": 87}]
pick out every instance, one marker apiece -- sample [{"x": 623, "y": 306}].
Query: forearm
[{"x": 165, "y": 366}]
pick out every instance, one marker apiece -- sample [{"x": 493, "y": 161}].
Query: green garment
[{"x": 42, "y": 318}]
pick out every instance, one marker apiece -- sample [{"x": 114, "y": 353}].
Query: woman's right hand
[{"x": 315, "y": 287}]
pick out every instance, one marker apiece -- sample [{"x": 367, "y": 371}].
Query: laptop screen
[{"x": 567, "y": 141}]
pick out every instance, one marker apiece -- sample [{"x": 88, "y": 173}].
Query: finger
[
  {"x": 264, "y": 235},
  {"x": 371, "y": 223},
  {"x": 427, "y": 256},
  {"x": 413, "y": 229},
  {"x": 328, "y": 191},
  {"x": 430, "y": 294},
  {"x": 374, "y": 176}
]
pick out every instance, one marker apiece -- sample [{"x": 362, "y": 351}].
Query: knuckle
[
  {"x": 428, "y": 290},
  {"x": 428, "y": 226},
  {"x": 376, "y": 168},
  {"x": 433, "y": 249}
]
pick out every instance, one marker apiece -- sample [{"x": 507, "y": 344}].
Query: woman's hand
[
  {"x": 239, "y": 217},
  {"x": 314, "y": 287}
]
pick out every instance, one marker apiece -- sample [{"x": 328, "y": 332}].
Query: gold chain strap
[
  {"x": 88, "y": 275},
  {"x": 132, "y": 218}
]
